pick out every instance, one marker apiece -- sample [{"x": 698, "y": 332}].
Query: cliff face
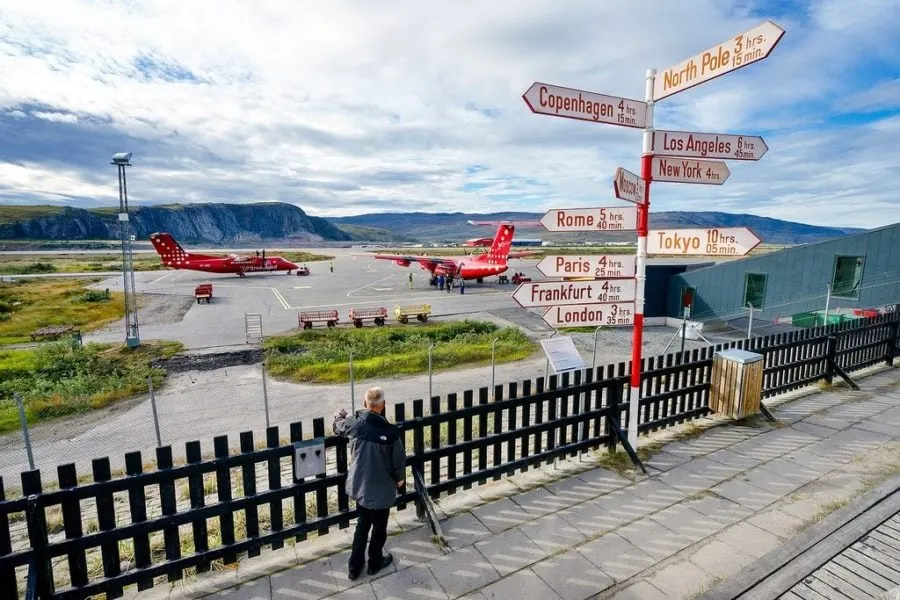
[{"x": 210, "y": 223}]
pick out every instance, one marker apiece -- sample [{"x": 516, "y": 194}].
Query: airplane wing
[{"x": 404, "y": 260}]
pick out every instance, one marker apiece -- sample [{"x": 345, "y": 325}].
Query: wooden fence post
[
  {"x": 893, "y": 342},
  {"x": 830, "y": 357}
]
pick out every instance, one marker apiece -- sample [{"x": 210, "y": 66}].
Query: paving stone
[
  {"x": 572, "y": 576},
  {"x": 877, "y": 426},
  {"x": 826, "y": 421},
  {"x": 768, "y": 481},
  {"x": 686, "y": 480},
  {"x": 803, "y": 508},
  {"x": 859, "y": 441},
  {"x": 686, "y": 522},
  {"x": 719, "y": 559},
  {"x": 807, "y": 457},
  {"x": 791, "y": 470},
  {"x": 603, "y": 480},
  {"x": 339, "y": 570},
  {"x": 360, "y": 592},
  {"x": 501, "y": 515},
  {"x": 254, "y": 590},
  {"x": 656, "y": 493},
  {"x": 605, "y": 514},
  {"x": 640, "y": 591},
  {"x": 653, "y": 538},
  {"x": 856, "y": 411},
  {"x": 734, "y": 459},
  {"x": 813, "y": 429},
  {"x": 524, "y": 585},
  {"x": 832, "y": 451},
  {"x": 463, "y": 530},
  {"x": 309, "y": 581},
  {"x": 749, "y": 539},
  {"x": 573, "y": 489},
  {"x": 616, "y": 556},
  {"x": 682, "y": 579},
  {"x": 552, "y": 533},
  {"x": 717, "y": 508},
  {"x": 710, "y": 468},
  {"x": 463, "y": 571},
  {"x": 541, "y": 501},
  {"x": 413, "y": 547},
  {"x": 663, "y": 461},
  {"x": 745, "y": 494},
  {"x": 777, "y": 522},
  {"x": 510, "y": 551},
  {"x": 414, "y": 583}
]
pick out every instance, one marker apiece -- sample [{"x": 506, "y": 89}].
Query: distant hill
[
  {"x": 189, "y": 223},
  {"x": 432, "y": 227}
]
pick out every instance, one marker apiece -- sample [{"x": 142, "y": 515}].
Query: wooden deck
[{"x": 853, "y": 554}]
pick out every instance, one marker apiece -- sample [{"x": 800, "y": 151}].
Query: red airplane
[
  {"x": 492, "y": 262},
  {"x": 173, "y": 256}
]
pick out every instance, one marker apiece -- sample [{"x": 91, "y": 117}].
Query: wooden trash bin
[{"x": 736, "y": 382}]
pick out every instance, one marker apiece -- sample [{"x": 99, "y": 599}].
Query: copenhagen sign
[{"x": 556, "y": 101}]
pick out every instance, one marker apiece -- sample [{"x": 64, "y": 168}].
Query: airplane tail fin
[
  {"x": 170, "y": 252},
  {"x": 499, "y": 251}
]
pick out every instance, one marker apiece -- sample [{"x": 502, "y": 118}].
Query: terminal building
[{"x": 854, "y": 276}]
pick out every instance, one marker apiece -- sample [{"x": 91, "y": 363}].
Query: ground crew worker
[
  {"x": 377, "y": 470},
  {"x": 440, "y": 282},
  {"x": 410, "y": 281},
  {"x": 331, "y": 267}
]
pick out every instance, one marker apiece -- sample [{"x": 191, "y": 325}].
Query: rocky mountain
[
  {"x": 189, "y": 223},
  {"x": 455, "y": 226}
]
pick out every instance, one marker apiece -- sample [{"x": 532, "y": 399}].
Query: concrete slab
[
  {"x": 552, "y": 533},
  {"x": 464, "y": 530},
  {"x": 510, "y": 551},
  {"x": 717, "y": 508},
  {"x": 360, "y": 592},
  {"x": 616, "y": 556},
  {"x": 501, "y": 515},
  {"x": 309, "y": 581},
  {"x": 573, "y": 490},
  {"x": 689, "y": 481},
  {"x": 653, "y": 538},
  {"x": 735, "y": 460},
  {"x": 686, "y": 522},
  {"x": 640, "y": 591},
  {"x": 591, "y": 518},
  {"x": 748, "y": 539},
  {"x": 719, "y": 559},
  {"x": 603, "y": 480},
  {"x": 463, "y": 571},
  {"x": 541, "y": 501},
  {"x": 768, "y": 481},
  {"x": 572, "y": 576},
  {"x": 777, "y": 522},
  {"x": 681, "y": 579},
  {"x": 258, "y": 589},
  {"x": 656, "y": 493},
  {"x": 413, "y": 547},
  {"x": 414, "y": 583},
  {"x": 745, "y": 494},
  {"x": 663, "y": 461},
  {"x": 524, "y": 585}
]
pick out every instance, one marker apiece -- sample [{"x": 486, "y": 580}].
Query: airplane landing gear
[{"x": 480, "y": 280}]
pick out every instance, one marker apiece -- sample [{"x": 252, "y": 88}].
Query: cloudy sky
[{"x": 345, "y": 107}]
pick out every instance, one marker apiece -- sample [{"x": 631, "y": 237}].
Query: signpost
[
  {"x": 740, "y": 51},
  {"x": 707, "y": 145},
  {"x": 595, "y": 265},
  {"x": 557, "y": 293},
  {"x": 689, "y": 170},
  {"x": 629, "y": 186},
  {"x": 557, "y": 101},
  {"x": 616, "y": 218},
  {"x": 591, "y": 315},
  {"x": 719, "y": 241}
]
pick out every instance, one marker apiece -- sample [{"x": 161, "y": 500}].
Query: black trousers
[{"x": 377, "y": 521}]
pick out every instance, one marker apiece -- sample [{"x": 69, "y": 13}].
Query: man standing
[{"x": 378, "y": 464}]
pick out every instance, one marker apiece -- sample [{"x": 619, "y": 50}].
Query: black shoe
[
  {"x": 385, "y": 561},
  {"x": 353, "y": 575}
]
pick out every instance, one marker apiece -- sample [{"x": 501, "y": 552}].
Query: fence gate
[{"x": 253, "y": 328}]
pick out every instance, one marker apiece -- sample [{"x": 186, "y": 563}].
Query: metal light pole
[
  {"x": 594, "y": 357},
  {"x": 430, "y": 348},
  {"x": 132, "y": 333},
  {"x": 493, "y": 363}
]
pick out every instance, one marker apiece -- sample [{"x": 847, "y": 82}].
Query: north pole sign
[
  {"x": 628, "y": 186},
  {"x": 591, "y": 315},
  {"x": 595, "y": 265},
  {"x": 553, "y": 293},
  {"x": 689, "y": 170},
  {"x": 721, "y": 241},
  {"x": 742, "y": 50},
  {"x": 708, "y": 145},
  {"x": 556, "y": 101},
  {"x": 617, "y": 218}
]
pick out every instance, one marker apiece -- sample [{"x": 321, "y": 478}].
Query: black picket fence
[{"x": 154, "y": 524}]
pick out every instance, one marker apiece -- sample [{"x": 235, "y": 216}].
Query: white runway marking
[
  {"x": 168, "y": 274},
  {"x": 281, "y": 300},
  {"x": 362, "y": 287},
  {"x": 302, "y": 287},
  {"x": 180, "y": 275},
  {"x": 382, "y": 289}
]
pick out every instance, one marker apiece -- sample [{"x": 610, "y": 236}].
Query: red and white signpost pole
[{"x": 643, "y": 216}]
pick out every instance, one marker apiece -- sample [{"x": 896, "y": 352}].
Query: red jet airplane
[
  {"x": 492, "y": 262},
  {"x": 173, "y": 256}
]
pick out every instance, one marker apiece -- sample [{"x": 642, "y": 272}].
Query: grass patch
[
  {"x": 322, "y": 355},
  {"x": 620, "y": 463},
  {"x": 30, "y": 305},
  {"x": 61, "y": 378},
  {"x": 302, "y": 257},
  {"x": 582, "y": 329}
]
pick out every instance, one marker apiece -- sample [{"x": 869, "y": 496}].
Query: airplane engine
[{"x": 402, "y": 263}]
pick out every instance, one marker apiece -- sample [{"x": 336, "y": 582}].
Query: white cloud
[{"x": 347, "y": 107}]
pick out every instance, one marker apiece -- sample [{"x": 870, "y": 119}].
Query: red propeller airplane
[
  {"x": 173, "y": 256},
  {"x": 492, "y": 262}
]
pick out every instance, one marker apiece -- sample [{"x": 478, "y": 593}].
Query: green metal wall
[{"x": 796, "y": 278}]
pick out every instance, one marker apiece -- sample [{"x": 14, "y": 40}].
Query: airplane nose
[{"x": 291, "y": 265}]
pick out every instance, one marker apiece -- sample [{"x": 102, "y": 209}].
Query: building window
[
  {"x": 754, "y": 290},
  {"x": 847, "y": 278}
]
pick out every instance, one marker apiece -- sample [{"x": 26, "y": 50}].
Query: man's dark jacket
[{"x": 378, "y": 458}]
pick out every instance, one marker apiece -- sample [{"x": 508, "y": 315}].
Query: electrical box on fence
[
  {"x": 309, "y": 458},
  {"x": 735, "y": 387}
]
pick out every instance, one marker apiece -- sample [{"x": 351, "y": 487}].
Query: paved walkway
[{"x": 714, "y": 503}]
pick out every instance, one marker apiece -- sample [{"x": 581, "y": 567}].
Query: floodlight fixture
[{"x": 122, "y": 159}]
